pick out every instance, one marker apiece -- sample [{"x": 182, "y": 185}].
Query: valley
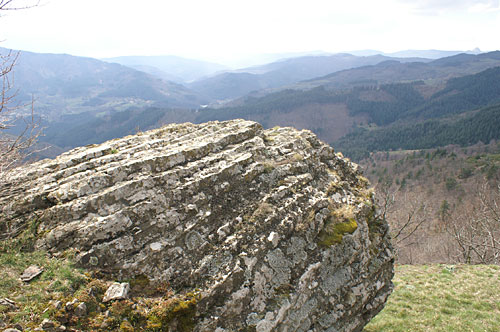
[
  {"x": 425, "y": 133},
  {"x": 426, "y": 143}
]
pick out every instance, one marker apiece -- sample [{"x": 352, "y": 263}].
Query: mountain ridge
[
  {"x": 178, "y": 69},
  {"x": 282, "y": 73},
  {"x": 65, "y": 84}
]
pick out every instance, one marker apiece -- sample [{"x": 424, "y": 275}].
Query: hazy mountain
[
  {"x": 154, "y": 71},
  {"x": 281, "y": 73},
  {"x": 314, "y": 66},
  {"x": 262, "y": 59},
  {"x": 74, "y": 130},
  {"x": 428, "y": 54},
  {"x": 65, "y": 84},
  {"x": 331, "y": 113},
  {"x": 431, "y": 54},
  {"x": 174, "y": 68},
  {"x": 395, "y": 71}
]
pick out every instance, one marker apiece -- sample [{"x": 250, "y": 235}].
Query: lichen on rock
[{"x": 273, "y": 230}]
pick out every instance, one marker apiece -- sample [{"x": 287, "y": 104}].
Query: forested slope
[{"x": 479, "y": 126}]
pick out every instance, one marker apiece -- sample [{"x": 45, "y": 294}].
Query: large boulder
[{"x": 270, "y": 228}]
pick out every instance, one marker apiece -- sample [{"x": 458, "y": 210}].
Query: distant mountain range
[
  {"x": 254, "y": 60},
  {"x": 342, "y": 97},
  {"x": 396, "y": 71},
  {"x": 282, "y": 73},
  {"x": 428, "y": 54},
  {"x": 170, "y": 68},
  {"x": 379, "y": 99},
  {"x": 465, "y": 112}
]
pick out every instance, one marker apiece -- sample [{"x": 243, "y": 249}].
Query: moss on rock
[{"x": 333, "y": 233}]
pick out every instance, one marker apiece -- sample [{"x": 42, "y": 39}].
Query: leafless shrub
[
  {"x": 17, "y": 4},
  {"x": 14, "y": 148},
  {"x": 476, "y": 227},
  {"x": 406, "y": 212}
]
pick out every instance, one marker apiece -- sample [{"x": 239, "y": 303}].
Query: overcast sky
[{"x": 221, "y": 30}]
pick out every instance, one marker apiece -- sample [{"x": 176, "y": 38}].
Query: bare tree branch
[
  {"x": 14, "y": 148},
  {"x": 476, "y": 229},
  {"x": 8, "y": 5}
]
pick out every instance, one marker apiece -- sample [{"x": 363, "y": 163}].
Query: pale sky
[{"x": 224, "y": 30}]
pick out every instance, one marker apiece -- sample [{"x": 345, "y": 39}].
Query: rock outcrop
[{"x": 270, "y": 228}]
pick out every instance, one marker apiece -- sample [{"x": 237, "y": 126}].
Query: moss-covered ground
[{"x": 150, "y": 307}]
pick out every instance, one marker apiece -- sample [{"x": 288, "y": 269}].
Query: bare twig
[
  {"x": 8, "y": 5},
  {"x": 476, "y": 230},
  {"x": 14, "y": 148}
]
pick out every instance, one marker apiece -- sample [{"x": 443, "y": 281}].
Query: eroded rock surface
[{"x": 272, "y": 229}]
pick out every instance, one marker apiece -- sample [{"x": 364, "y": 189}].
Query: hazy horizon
[{"x": 265, "y": 58}]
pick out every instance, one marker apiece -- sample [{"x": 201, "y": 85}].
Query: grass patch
[
  {"x": 442, "y": 298},
  {"x": 59, "y": 280},
  {"x": 151, "y": 306}
]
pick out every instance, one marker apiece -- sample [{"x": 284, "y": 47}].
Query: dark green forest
[
  {"x": 480, "y": 126},
  {"x": 462, "y": 94},
  {"x": 404, "y": 119},
  {"x": 405, "y": 98}
]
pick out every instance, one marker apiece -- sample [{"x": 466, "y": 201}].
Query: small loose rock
[
  {"x": 81, "y": 310},
  {"x": 11, "y": 305},
  {"x": 117, "y": 291},
  {"x": 47, "y": 324},
  {"x": 70, "y": 306},
  {"x": 31, "y": 273}
]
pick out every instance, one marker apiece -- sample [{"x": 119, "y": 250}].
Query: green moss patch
[
  {"x": 334, "y": 232},
  {"x": 339, "y": 222}
]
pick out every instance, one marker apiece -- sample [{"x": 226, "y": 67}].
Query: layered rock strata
[{"x": 270, "y": 228}]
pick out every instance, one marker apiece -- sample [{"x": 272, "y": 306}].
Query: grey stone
[
  {"x": 8, "y": 303},
  {"x": 47, "y": 324},
  {"x": 244, "y": 217},
  {"x": 31, "y": 273},
  {"x": 12, "y": 330},
  {"x": 70, "y": 305},
  {"x": 81, "y": 310},
  {"x": 57, "y": 304},
  {"x": 117, "y": 291}
]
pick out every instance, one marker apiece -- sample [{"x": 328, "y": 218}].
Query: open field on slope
[{"x": 442, "y": 298}]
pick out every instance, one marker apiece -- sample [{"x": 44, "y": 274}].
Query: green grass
[
  {"x": 152, "y": 306},
  {"x": 59, "y": 280},
  {"x": 442, "y": 298}
]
